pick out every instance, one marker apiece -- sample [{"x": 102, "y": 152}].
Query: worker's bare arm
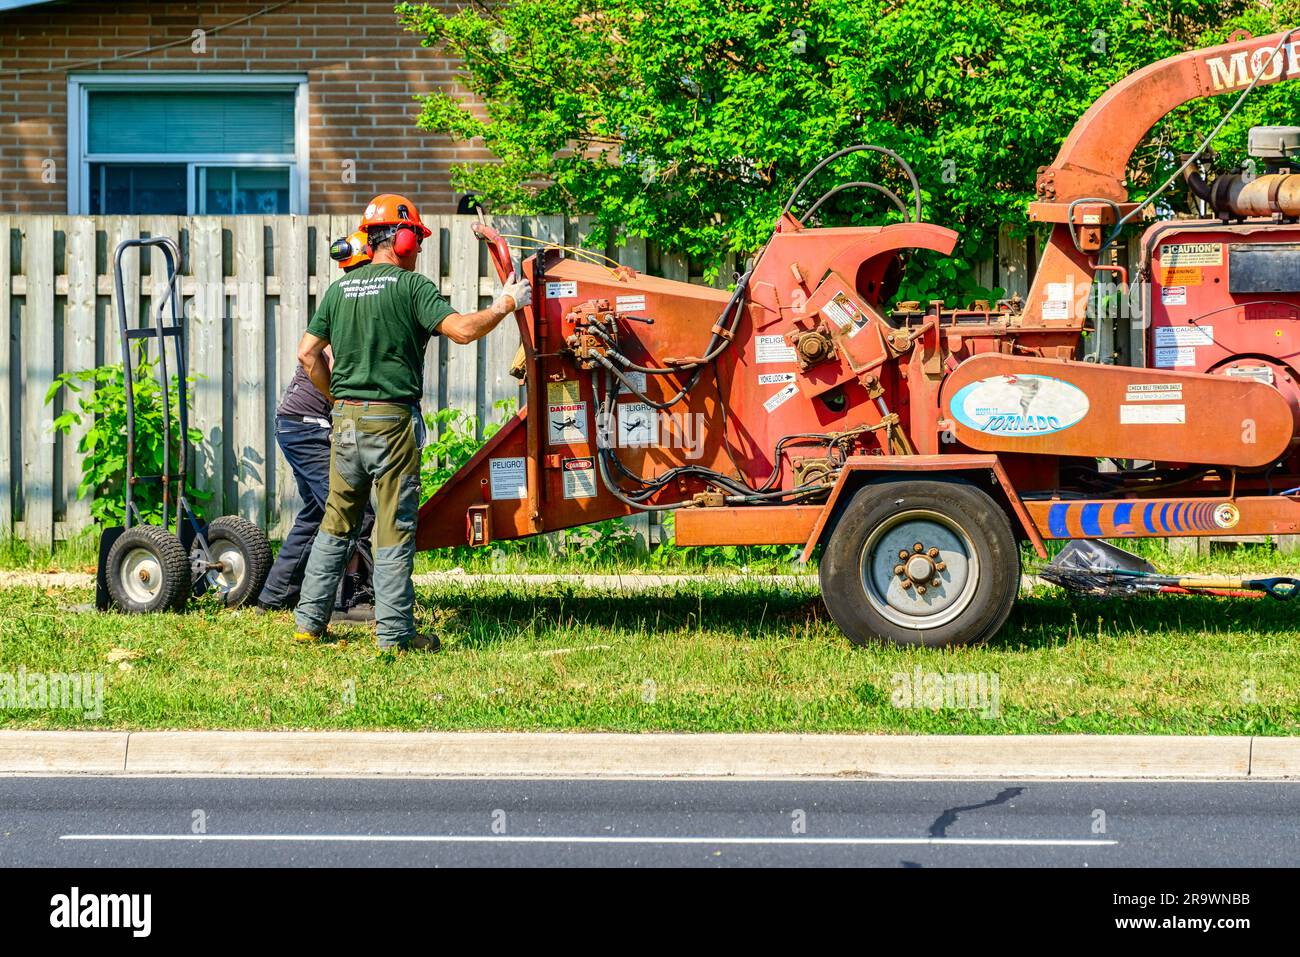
[
  {"x": 311, "y": 354},
  {"x": 465, "y": 327}
]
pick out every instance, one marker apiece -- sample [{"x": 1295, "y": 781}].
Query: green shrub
[
  {"x": 453, "y": 440},
  {"x": 103, "y": 447}
]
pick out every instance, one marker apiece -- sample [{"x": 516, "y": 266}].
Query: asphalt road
[{"x": 87, "y": 821}]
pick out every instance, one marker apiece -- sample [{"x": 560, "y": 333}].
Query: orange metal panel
[
  {"x": 1050, "y": 407},
  {"x": 924, "y": 463},
  {"x": 754, "y": 525}
]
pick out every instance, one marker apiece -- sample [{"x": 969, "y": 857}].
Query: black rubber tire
[
  {"x": 139, "y": 585},
  {"x": 254, "y": 552},
  {"x": 984, "y": 603}
]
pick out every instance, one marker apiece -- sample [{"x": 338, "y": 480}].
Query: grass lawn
[{"x": 699, "y": 657}]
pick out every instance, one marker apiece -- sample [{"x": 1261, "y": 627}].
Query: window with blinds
[
  {"x": 202, "y": 150},
  {"x": 185, "y": 122}
]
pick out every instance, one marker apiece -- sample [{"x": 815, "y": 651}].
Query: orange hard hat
[
  {"x": 350, "y": 252},
  {"x": 389, "y": 209}
]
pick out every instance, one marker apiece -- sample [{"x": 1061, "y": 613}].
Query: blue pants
[{"x": 306, "y": 448}]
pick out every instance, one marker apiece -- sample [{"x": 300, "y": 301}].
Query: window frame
[{"x": 79, "y": 161}]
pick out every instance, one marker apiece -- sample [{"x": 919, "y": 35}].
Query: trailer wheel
[
  {"x": 929, "y": 563},
  {"x": 148, "y": 571},
  {"x": 245, "y": 556}
]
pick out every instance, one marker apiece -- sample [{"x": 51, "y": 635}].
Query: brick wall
[{"x": 362, "y": 71}]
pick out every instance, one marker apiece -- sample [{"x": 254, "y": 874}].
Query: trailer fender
[{"x": 865, "y": 469}]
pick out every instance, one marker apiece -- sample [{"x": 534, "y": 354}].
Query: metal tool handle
[
  {"x": 1283, "y": 589},
  {"x": 172, "y": 258}
]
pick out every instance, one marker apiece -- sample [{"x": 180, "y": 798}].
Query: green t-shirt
[{"x": 378, "y": 320}]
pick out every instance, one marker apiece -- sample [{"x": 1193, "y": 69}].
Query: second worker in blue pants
[
  {"x": 378, "y": 321},
  {"x": 302, "y": 430}
]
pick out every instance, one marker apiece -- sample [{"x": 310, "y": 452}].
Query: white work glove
[{"x": 517, "y": 289}]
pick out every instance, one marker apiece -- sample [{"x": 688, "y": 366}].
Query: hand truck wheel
[
  {"x": 148, "y": 571},
  {"x": 244, "y": 555}
]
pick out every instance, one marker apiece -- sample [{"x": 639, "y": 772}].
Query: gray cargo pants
[{"x": 376, "y": 446}]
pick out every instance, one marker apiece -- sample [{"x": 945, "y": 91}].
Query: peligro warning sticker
[
  {"x": 1153, "y": 414},
  {"x": 507, "y": 479},
  {"x": 775, "y": 378},
  {"x": 1153, "y": 392},
  {"x": 772, "y": 349},
  {"x": 579, "y": 478},
  {"x": 1191, "y": 254},
  {"x": 566, "y": 422},
  {"x": 561, "y": 290},
  {"x": 780, "y": 398},
  {"x": 638, "y": 425}
]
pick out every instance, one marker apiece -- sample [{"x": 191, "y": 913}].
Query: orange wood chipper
[{"x": 917, "y": 444}]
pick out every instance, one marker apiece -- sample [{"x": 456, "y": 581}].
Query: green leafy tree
[
  {"x": 101, "y": 401},
  {"x": 689, "y": 121}
]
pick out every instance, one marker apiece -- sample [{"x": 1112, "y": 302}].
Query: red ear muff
[{"x": 405, "y": 242}]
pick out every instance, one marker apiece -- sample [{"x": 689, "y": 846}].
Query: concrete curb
[
  {"x": 78, "y": 752},
  {"x": 472, "y": 754}
]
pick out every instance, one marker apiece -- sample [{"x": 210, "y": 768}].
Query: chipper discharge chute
[{"x": 917, "y": 444}]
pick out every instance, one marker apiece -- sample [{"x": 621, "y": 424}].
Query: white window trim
[{"x": 79, "y": 85}]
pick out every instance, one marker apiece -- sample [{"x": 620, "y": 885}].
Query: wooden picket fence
[{"x": 249, "y": 285}]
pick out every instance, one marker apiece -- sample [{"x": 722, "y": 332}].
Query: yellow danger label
[
  {"x": 559, "y": 393},
  {"x": 1181, "y": 276}
]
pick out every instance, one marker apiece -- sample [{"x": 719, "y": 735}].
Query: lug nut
[
  {"x": 920, "y": 589},
  {"x": 936, "y": 583},
  {"x": 939, "y": 566},
  {"x": 902, "y": 554},
  {"x": 907, "y": 583},
  {"x": 933, "y": 553},
  {"x": 898, "y": 569},
  {"x": 918, "y": 547}
]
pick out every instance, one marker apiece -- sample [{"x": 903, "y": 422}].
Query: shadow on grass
[
  {"x": 1057, "y": 617},
  {"x": 1041, "y": 621},
  {"x": 754, "y": 614}
]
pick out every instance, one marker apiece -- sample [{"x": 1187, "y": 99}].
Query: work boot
[
  {"x": 357, "y": 614},
  {"x": 428, "y": 643}
]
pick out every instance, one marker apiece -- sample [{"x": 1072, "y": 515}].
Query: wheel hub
[
  {"x": 141, "y": 575},
  {"x": 919, "y": 569},
  {"x": 230, "y": 574}
]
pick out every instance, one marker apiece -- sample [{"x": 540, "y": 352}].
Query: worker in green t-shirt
[{"x": 378, "y": 319}]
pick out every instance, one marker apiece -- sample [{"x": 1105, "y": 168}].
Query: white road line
[{"x": 592, "y": 839}]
